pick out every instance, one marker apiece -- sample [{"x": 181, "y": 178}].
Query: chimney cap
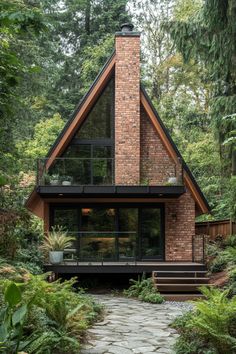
[{"x": 127, "y": 27}]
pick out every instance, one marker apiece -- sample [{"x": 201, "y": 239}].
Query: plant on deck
[
  {"x": 144, "y": 290},
  {"x": 57, "y": 240},
  {"x": 211, "y": 327}
]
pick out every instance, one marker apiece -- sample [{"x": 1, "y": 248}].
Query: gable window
[{"x": 89, "y": 158}]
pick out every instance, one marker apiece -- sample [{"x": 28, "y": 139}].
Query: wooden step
[
  {"x": 181, "y": 267},
  {"x": 179, "y": 273},
  {"x": 182, "y": 297},
  {"x": 180, "y": 280},
  {"x": 177, "y": 288}
]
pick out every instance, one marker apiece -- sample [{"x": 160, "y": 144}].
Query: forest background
[{"x": 51, "y": 51}]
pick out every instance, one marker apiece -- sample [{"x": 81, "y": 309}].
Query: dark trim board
[
  {"x": 138, "y": 268},
  {"x": 111, "y": 191}
]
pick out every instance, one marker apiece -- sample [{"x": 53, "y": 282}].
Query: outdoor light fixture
[{"x": 174, "y": 216}]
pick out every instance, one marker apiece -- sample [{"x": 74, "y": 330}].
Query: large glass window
[
  {"x": 128, "y": 228},
  {"x": 151, "y": 237},
  {"x": 99, "y": 122},
  {"x": 114, "y": 233},
  {"x": 97, "y": 235},
  {"x": 89, "y": 157}
]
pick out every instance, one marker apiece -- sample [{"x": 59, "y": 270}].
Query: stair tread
[
  {"x": 200, "y": 284},
  {"x": 179, "y": 271},
  {"x": 182, "y": 278}
]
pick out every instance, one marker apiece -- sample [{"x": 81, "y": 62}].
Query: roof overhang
[{"x": 110, "y": 191}]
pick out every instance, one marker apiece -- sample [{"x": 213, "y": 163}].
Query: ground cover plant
[
  {"x": 144, "y": 290},
  {"x": 211, "y": 327},
  {"x": 221, "y": 254},
  {"x": 39, "y": 317}
]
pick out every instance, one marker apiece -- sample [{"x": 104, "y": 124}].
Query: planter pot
[
  {"x": 54, "y": 182},
  {"x": 56, "y": 257},
  {"x": 172, "y": 180},
  {"x": 66, "y": 183}
]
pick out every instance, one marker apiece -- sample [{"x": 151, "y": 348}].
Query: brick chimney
[{"x": 127, "y": 106}]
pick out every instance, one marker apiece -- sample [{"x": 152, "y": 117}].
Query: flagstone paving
[{"x": 133, "y": 327}]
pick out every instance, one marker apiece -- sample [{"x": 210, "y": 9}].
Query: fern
[{"x": 144, "y": 290}]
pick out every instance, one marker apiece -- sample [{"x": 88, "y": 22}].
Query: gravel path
[{"x": 131, "y": 326}]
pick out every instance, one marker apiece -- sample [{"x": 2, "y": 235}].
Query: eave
[{"x": 61, "y": 192}]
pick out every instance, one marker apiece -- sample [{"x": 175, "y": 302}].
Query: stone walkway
[{"x": 131, "y": 326}]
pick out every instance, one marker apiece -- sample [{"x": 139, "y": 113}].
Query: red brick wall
[
  {"x": 127, "y": 109},
  {"x": 156, "y": 164},
  {"x": 179, "y": 228},
  {"x": 156, "y": 167},
  {"x": 140, "y": 156}
]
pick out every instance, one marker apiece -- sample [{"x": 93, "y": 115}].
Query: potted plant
[
  {"x": 55, "y": 180},
  {"x": 172, "y": 181},
  {"x": 66, "y": 180},
  {"x": 55, "y": 243}
]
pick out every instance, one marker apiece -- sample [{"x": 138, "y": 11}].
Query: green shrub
[
  {"x": 212, "y": 250},
  {"x": 144, "y": 290},
  {"x": 230, "y": 241},
  {"x": 223, "y": 260},
  {"x": 211, "y": 327},
  {"x": 232, "y": 282},
  {"x": 218, "y": 264},
  {"x": 55, "y": 318}
]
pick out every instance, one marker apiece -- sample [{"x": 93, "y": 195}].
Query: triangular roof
[{"x": 87, "y": 103}]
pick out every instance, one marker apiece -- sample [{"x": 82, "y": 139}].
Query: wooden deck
[{"x": 122, "y": 267}]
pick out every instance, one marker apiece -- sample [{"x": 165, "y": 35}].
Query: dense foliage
[
  {"x": 39, "y": 317},
  {"x": 50, "y": 52},
  {"x": 221, "y": 254},
  {"x": 144, "y": 290},
  {"x": 210, "y": 328},
  {"x": 190, "y": 76}
]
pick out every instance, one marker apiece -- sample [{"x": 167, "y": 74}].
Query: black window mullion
[
  {"x": 139, "y": 236},
  {"x": 79, "y": 234},
  {"x": 117, "y": 229},
  {"x": 91, "y": 164}
]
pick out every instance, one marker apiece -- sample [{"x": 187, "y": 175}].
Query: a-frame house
[{"x": 115, "y": 179}]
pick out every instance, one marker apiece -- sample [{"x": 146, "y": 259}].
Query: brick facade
[
  {"x": 179, "y": 228},
  {"x": 140, "y": 155},
  {"x": 156, "y": 164},
  {"x": 127, "y": 109},
  {"x": 156, "y": 168}
]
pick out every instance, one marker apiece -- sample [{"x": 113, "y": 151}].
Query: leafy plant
[
  {"x": 230, "y": 241},
  {"x": 44, "y": 318},
  {"x": 218, "y": 264},
  {"x": 211, "y": 327},
  {"x": 144, "y": 290},
  {"x": 57, "y": 240},
  {"x": 12, "y": 319}
]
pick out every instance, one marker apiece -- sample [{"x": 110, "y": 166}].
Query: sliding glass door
[
  {"x": 113, "y": 233},
  {"x": 151, "y": 238},
  {"x": 97, "y": 237}
]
